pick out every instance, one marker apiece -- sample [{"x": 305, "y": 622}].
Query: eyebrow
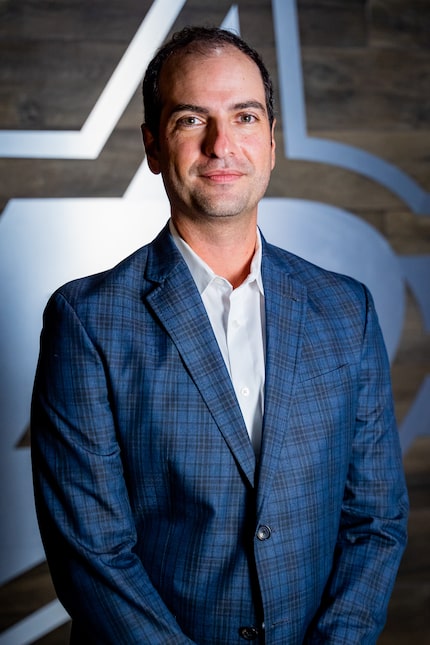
[
  {"x": 245, "y": 105},
  {"x": 189, "y": 107},
  {"x": 250, "y": 104}
]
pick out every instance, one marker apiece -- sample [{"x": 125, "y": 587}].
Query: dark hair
[{"x": 202, "y": 40}]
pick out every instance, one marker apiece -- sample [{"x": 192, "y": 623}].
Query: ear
[
  {"x": 151, "y": 149},
  {"x": 273, "y": 144}
]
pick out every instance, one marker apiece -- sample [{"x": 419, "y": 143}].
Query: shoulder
[
  {"x": 129, "y": 280},
  {"x": 338, "y": 312},
  {"x": 126, "y": 276},
  {"x": 337, "y": 306},
  {"x": 321, "y": 285}
]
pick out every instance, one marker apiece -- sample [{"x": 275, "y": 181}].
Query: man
[{"x": 215, "y": 453}]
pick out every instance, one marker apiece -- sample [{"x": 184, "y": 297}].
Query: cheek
[
  {"x": 260, "y": 149},
  {"x": 180, "y": 155}
]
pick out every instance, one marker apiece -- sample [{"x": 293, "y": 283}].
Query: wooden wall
[{"x": 366, "y": 67}]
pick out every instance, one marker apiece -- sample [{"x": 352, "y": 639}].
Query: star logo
[{"x": 45, "y": 242}]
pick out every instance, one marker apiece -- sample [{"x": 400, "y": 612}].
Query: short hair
[{"x": 203, "y": 40}]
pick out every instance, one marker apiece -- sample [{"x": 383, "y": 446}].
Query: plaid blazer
[{"x": 158, "y": 524}]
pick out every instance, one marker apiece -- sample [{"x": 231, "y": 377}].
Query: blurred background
[{"x": 352, "y": 81}]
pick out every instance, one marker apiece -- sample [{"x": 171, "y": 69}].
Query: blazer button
[
  {"x": 264, "y": 532},
  {"x": 249, "y": 633}
]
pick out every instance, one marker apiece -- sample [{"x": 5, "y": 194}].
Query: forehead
[{"x": 215, "y": 72}]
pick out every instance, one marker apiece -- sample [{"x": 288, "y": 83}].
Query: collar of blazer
[{"x": 177, "y": 304}]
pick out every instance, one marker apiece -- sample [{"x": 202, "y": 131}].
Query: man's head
[
  {"x": 209, "y": 125},
  {"x": 200, "y": 41}
]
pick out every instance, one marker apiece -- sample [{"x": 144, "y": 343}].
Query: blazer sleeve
[
  {"x": 81, "y": 496},
  {"x": 373, "y": 525}
]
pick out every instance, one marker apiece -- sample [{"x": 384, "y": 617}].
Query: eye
[
  {"x": 189, "y": 121},
  {"x": 247, "y": 118}
]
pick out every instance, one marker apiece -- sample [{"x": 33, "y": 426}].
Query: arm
[
  {"x": 372, "y": 532},
  {"x": 81, "y": 496}
]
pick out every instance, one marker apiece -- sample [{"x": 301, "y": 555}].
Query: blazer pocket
[
  {"x": 322, "y": 415},
  {"x": 338, "y": 377}
]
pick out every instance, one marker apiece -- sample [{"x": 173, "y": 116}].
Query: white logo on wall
[{"x": 60, "y": 239}]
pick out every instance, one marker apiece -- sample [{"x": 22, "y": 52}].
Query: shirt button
[
  {"x": 244, "y": 391},
  {"x": 249, "y": 633},
  {"x": 264, "y": 532}
]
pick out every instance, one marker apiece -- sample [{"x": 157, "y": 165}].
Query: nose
[{"x": 219, "y": 140}]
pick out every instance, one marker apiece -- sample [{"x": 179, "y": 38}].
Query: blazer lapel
[
  {"x": 285, "y": 304},
  {"x": 179, "y": 307}
]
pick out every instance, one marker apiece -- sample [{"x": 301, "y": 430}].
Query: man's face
[{"x": 216, "y": 149}]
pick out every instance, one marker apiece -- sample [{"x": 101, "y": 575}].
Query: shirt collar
[{"x": 203, "y": 274}]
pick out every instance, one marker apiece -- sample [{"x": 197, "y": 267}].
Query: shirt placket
[{"x": 241, "y": 351}]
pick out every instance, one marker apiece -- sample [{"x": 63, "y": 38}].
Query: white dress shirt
[{"x": 238, "y": 321}]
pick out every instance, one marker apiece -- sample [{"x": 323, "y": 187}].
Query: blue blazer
[{"x": 158, "y": 524}]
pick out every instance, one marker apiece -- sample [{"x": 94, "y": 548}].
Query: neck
[{"x": 226, "y": 246}]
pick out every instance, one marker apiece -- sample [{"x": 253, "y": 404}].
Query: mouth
[{"x": 225, "y": 176}]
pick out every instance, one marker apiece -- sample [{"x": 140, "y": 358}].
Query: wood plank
[
  {"x": 366, "y": 89},
  {"x": 367, "y": 80},
  {"x": 71, "y": 20},
  {"x": 326, "y": 22},
  {"x": 407, "y": 149},
  {"x": 399, "y": 23}
]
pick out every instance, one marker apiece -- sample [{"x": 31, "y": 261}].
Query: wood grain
[{"x": 366, "y": 66}]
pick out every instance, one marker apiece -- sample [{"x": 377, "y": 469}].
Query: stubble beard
[
  {"x": 228, "y": 205},
  {"x": 220, "y": 207}
]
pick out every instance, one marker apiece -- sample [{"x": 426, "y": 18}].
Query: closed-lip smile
[{"x": 222, "y": 176}]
